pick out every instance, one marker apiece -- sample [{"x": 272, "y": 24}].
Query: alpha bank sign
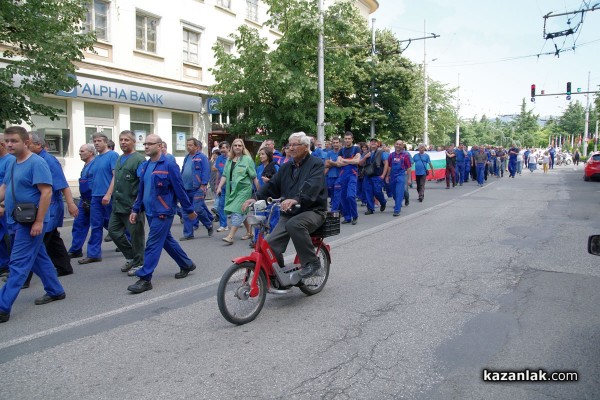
[{"x": 96, "y": 89}]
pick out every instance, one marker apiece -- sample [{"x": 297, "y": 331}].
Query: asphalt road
[{"x": 416, "y": 307}]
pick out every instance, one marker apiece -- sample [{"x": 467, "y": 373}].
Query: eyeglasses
[
  {"x": 296, "y": 144},
  {"x": 150, "y": 143}
]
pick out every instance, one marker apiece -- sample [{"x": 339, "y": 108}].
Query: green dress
[{"x": 239, "y": 189}]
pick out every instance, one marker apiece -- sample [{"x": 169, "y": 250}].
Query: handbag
[
  {"x": 369, "y": 170},
  {"x": 23, "y": 213}
]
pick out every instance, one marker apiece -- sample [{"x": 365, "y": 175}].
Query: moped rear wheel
[
  {"x": 233, "y": 296},
  {"x": 315, "y": 283}
]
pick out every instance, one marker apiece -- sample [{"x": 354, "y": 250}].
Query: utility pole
[
  {"x": 458, "y": 113},
  {"x": 321, "y": 79},
  {"x": 596, "y": 137},
  {"x": 587, "y": 118},
  {"x": 426, "y": 97},
  {"x": 373, "y": 77}
]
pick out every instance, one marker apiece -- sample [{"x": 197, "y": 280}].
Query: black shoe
[
  {"x": 140, "y": 286},
  {"x": 310, "y": 269},
  {"x": 420, "y": 199},
  {"x": 210, "y": 231},
  {"x": 107, "y": 238},
  {"x": 406, "y": 203},
  {"x": 4, "y": 316},
  {"x": 117, "y": 250},
  {"x": 75, "y": 254},
  {"x": 64, "y": 273},
  {"x": 382, "y": 207},
  {"x": 45, "y": 299},
  {"x": 184, "y": 272},
  {"x": 89, "y": 260},
  {"x": 396, "y": 214},
  {"x": 369, "y": 212},
  {"x": 252, "y": 244},
  {"x": 354, "y": 221},
  {"x": 184, "y": 238},
  {"x": 346, "y": 222}
]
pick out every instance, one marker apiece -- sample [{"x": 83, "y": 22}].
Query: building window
[
  {"x": 224, "y": 3},
  {"x": 183, "y": 126},
  {"x": 145, "y": 32},
  {"x": 141, "y": 124},
  {"x": 191, "y": 44},
  {"x": 227, "y": 47},
  {"x": 252, "y": 10},
  {"x": 97, "y": 19}
]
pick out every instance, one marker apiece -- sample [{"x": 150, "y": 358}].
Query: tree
[{"x": 42, "y": 39}]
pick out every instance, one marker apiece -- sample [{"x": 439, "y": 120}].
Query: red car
[{"x": 592, "y": 167}]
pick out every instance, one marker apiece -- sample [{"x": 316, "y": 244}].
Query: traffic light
[
  {"x": 568, "y": 88},
  {"x": 533, "y": 93}
]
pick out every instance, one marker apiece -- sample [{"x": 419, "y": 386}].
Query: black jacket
[{"x": 307, "y": 186}]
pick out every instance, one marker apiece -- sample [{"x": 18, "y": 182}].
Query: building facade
[{"x": 149, "y": 73}]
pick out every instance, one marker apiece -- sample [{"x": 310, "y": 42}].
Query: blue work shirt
[
  {"x": 101, "y": 172},
  {"x": 148, "y": 187},
  {"x": 27, "y": 175},
  {"x": 460, "y": 155},
  {"x": 333, "y": 172},
  {"x": 59, "y": 182},
  {"x": 187, "y": 174},
  {"x": 421, "y": 163},
  {"x": 348, "y": 153}
]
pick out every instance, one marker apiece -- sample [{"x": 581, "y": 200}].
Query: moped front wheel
[
  {"x": 236, "y": 303},
  {"x": 315, "y": 283}
]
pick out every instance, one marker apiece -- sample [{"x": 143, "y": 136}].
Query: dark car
[{"x": 592, "y": 167}]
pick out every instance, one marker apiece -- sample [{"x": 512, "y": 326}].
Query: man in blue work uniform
[
  {"x": 55, "y": 247},
  {"x": 81, "y": 224},
  {"x": 467, "y": 163},
  {"x": 460, "y": 155},
  {"x": 347, "y": 161},
  {"x": 5, "y": 157},
  {"x": 277, "y": 156},
  {"x": 552, "y": 155},
  {"x": 220, "y": 166},
  {"x": 27, "y": 180},
  {"x": 513, "y": 153},
  {"x": 196, "y": 174},
  {"x": 160, "y": 188},
  {"x": 481, "y": 161},
  {"x": 332, "y": 173},
  {"x": 399, "y": 165},
  {"x": 101, "y": 173},
  {"x": 375, "y": 172}
]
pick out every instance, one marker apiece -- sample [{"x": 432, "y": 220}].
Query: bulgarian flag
[{"x": 438, "y": 159}]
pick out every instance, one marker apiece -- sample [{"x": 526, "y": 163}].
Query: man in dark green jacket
[{"x": 124, "y": 189}]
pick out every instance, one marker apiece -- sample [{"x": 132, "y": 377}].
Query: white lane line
[
  {"x": 167, "y": 296},
  {"x": 98, "y": 317}
]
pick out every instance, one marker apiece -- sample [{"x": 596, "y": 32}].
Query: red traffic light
[{"x": 532, "y": 90}]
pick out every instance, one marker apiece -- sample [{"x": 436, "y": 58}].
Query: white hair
[{"x": 301, "y": 136}]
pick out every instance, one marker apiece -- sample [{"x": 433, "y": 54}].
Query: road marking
[
  {"x": 167, "y": 296},
  {"x": 98, "y": 317}
]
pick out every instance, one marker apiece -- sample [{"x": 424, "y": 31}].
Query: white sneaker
[
  {"x": 221, "y": 229},
  {"x": 132, "y": 271}
]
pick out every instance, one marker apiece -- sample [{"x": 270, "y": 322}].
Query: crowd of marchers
[{"x": 136, "y": 198}]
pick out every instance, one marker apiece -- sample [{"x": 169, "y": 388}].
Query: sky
[{"x": 489, "y": 50}]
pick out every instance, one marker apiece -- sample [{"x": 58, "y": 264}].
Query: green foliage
[
  {"x": 43, "y": 39},
  {"x": 278, "y": 88}
]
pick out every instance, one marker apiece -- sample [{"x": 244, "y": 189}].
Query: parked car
[{"x": 592, "y": 167}]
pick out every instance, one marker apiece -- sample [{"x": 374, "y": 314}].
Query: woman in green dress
[{"x": 238, "y": 176}]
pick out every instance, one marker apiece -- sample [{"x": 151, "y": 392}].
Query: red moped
[{"x": 243, "y": 287}]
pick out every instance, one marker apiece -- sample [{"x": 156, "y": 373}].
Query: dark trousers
[
  {"x": 133, "y": 249},
  {"x": 450, "y": 175},
  {"x": 297, "y": 228},
  {"x": 421, "y": 185}
]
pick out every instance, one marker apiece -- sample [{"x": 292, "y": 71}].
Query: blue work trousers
[
  {"x": 347, "y": 183},
  {"x": 330, "y": 187},
  {"x": 221, "y": 210},
  {"x": 81, "y": 226},
  {"x": 480, "y": 173},
  {"x": 4, "y": 243},
  {"x": 460, "y": 172},
  {"x": 373, "y": 188},
  {"x": 99, "y": 216},
  {"x": 160, "y": 237},
  {"x": 28, "y": 254},
  {"x": 336, "y": 199},
  {"x": 197, "y": 199},
  {"x": 398, "y": 187}
]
